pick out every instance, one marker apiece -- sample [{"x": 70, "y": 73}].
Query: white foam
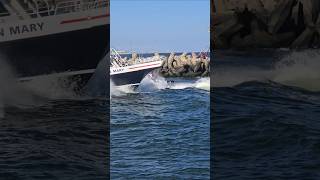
[
  {"x": 97, "y": 85},
  {"x": 231, "y": 76},
  {"x": 40, "y": 90},
  {"x": 120, "y": 90},
  {"x": 52, "y": 87},
  {"x": 153, "y": 83},
  {"x": 13, "y": 93},
  {"x": 203, "y": 83},
  {"x": 298, "y": 68}
]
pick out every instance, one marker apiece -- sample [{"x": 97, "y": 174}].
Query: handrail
[
  {"x": 78, "y": 3},
  {"x": 117, "y": 61},
  {"x": 115, "y": 58},
  {"x": 60, "y": 8}
]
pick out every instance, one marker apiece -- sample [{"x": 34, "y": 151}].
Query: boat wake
[
  {"x": 298, "y": 69},
  {"x": 153, "y": 83},
  {"x": 41, "y": 90},
  {"x": 120, "y": 90},
  {"x": 150, "y": 83},
  {"x": 203, "y": 83},
  {"x": 158, "y": 83}
]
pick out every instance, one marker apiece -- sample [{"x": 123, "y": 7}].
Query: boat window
[{"x": 3, "y": 11}]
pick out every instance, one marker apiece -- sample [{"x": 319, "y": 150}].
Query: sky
[{"x": 160, "y": 25}]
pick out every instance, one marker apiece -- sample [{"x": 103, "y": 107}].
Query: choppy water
[
  {"x": 64, "y": 139},
  {"x": 159, "y": 133},
  {"x": 47, "y": 132},
  {"x": 266, "y": 115}
]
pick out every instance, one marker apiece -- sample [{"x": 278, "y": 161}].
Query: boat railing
[
  {"x": 79, "y": 5},
  {"x": 118, "y": 61},
  {"x": 49, "y": 8}
]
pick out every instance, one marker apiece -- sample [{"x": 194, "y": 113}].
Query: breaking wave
[
  {"x": 13, "y": 93},
  {"x": 120, "y": 90},
  {"x": 298, "y": 69},
  {"x": 152, "y": 84},
  {"x": 158, "y": 83},
  {"x": 40, "y": 90}
]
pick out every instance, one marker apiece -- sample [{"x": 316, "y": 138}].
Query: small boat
[{"x": 130, "y": 72}]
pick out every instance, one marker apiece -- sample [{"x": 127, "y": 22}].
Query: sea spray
[
  {"x": 300, "y": 69},
  {"x": 231, "y": 76},
  {"x": 67, "y": 87},
  {"x": 121, "y": 90},
  {"x": 13, "y": 93},
  {"x": 113, "y": 90},
  {"x": 152, "y": 83},
  {"x": 148, "y": 84},
  {"x": 52, "y": 87},
  {"x": 98, "y": 83},
  {"x": 203, "y": 83},
  {"x": 34, "y": 92},
  {"x": 296, "y": 68}
]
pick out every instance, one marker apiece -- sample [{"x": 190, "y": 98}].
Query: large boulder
[
  {"x": 185, "y": 66},
  {"x": 266, "y": 23}
]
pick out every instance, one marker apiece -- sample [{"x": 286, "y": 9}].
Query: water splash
[
  {"x": 120, "y": 90},
  {"x": 153, "y": 83},
  {"x": 203, "y": 83},
  {"x": 40, "y": 90},
  {"x": 232, "y": 76},
  {"x": 297, "y": 68},
  {"x": 13, "y": 93},
  {"x": 97, "y": 85},
  {"x": 51, "y": 87},
  {"x": 300, "y": 69}
]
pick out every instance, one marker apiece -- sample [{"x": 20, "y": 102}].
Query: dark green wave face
[
  {"x": 55, "y": 140},
  {"x": 264, "y": 112}
]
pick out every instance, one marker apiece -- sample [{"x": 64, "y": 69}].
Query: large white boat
[
  {"x": 41, "y": 37},
  {"x": 130, "y": 72}
]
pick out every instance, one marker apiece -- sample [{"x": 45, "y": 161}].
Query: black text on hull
[{"x": 130, "y": 78}]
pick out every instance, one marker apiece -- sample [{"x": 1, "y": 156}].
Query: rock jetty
[
  {"x": 185, "y": 65},
  {"x": 265, "y": 23}
]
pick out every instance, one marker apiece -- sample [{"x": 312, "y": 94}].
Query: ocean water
[
  {"x": 265, "y": 121},
  {"x": 161, "y": 131},
  {"x": 49, "y": 132}
]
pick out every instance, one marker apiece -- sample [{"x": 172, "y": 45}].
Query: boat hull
[
  {"x": 130, "y": 78},
  {"x": 73, "y": 51}
]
